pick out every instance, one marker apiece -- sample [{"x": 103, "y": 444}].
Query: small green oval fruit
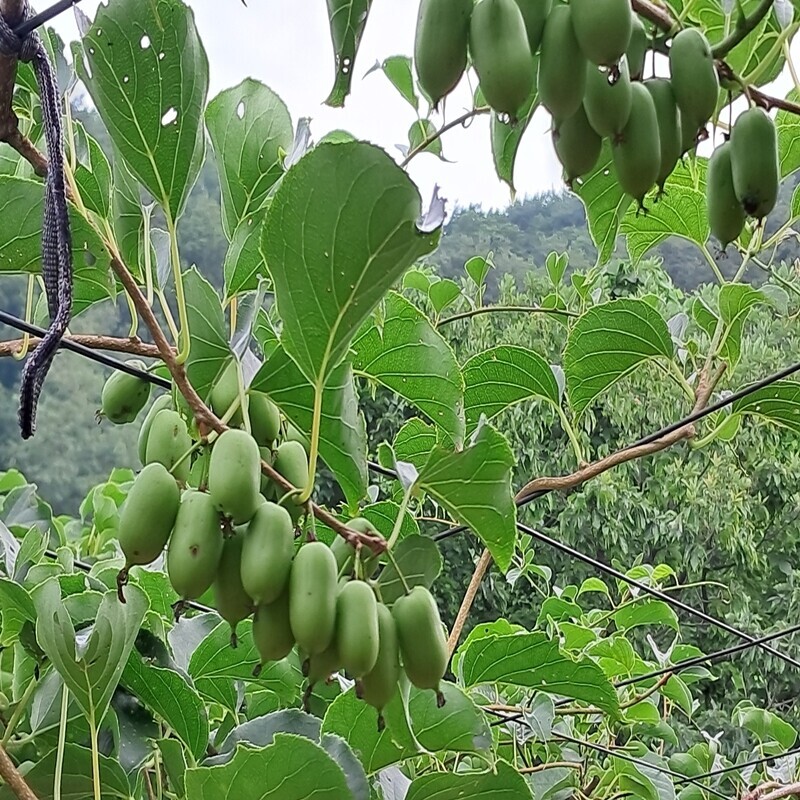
[
  {"x": 159, "y": 404},
  {"x": 357, "y": 628},
  {"x": 148, "y": 515},
  {"x": 637, "y": 153},
  {"x": 267, "y": 554},
  {"x": 294, "y": 434},
  {"x": 312, "y": 597},
  {"x": 167, "y": 443},
  {"x": 322, "y": 665},
  {"x": 535, "y": 13},
  {"x": 422, "y": 641},
  {"x": 669, "y": 126},
  {"x": 265, "y": 419},
  {"x": 379, "y": 685},
  {"x": 345, "y": 553},
  {"x": 124, "y": 396},
  {"x": 225, "y": 392},
  {"x": 726, "y": 216},
  {"x": 562, "y": 65},
  {"x": 272, "y": 632},
  {"x": 440, "y": 45},
  {"x": 234, "y": 475},
  {"x": 195, "y": 546},
  {"x": 505, "y": 72},
  {"x": 577, "y": 145},
  {"x": 754, "y": 160},
  {"x": 637, "y": 49},
  {"x": 603, "y": 29},
  {"x": 690, "y": 134},
  {"x": 291, "y": 462},
  {"x": 607, "y": 105},
  {"x": 694, "y": 78},
  {"x": 230, "y": 597}
]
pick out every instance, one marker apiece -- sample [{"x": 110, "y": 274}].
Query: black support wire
[{"x": 36, "y": 21}]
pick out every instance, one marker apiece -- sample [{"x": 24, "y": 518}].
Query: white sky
[{"x": 286, "y": 45}]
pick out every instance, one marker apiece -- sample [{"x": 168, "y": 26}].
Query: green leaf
[
  {"x": 244, "y": 264},
  {"x": 788, "y": 126},
  {"x": 507, "y": 137},
  {"x": 357, "y": 723},
  {"x": 767, "y": 726},
  {"x": 534, "y": 660},
  {"x": 292, "y": 768},
  {"x": 607, "y": 343},
  {"x": 128, "y": 218},
  {"x": 443, "y": 293},
  {"x": 343, "y": 437},
  {"x": 418, "y": 560},
  {"x": 646, "y": 612},
  {"x": 736, "y": 301},
  {"x": 556, "y": 266},
  {"x": 478, "y": 268},
  {"x": 147, "y": 72},
  {"x": 16, "y": 608},
  {"x": 778, "y": 403},
  {"x": 398, "y": 70},
  {"x": 250, "y": 130},
  {"x": 502, "y": 377},
  {"x": 503, "y": 783},
  {"x": 414, "y": 442},
  {"x": 347, "y": 18},
  {"x": 405, "y": 353},
  {"x": 174, "y": 761},
  {"x": 76, "y": 777},
  {"x": 171, "y": 698},
  {"x": 21, "y": 242},
  {"x": 340, "y": 231},
  {"x": 605, "y": 204},
  {"x": 423, "y": 130},
  {"x": 93, "y": 669},
  {"x": 474, "y": 485},
  {"x": 208, "y": 332},
  {"x": 93, "y": 177}
]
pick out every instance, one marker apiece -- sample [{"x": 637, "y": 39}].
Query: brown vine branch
[
  {"x": 656, "y": 14},
  {"x": 767, "y": 792},
  {"x": 12, "y": 778},
  {"x": 113, "y": 344},
  {"x": 475, "y": 312},
  {"x": 550, "y": 765},
  {"x": 436, "y": 135},
  {"x": 469, "y": 598}
]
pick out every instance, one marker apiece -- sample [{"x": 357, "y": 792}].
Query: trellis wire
[
  {"x": 26, "y": 327},
  {"x": 24, "y": 28}
]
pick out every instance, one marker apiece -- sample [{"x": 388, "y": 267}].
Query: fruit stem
[
  {"x": 195, "y": 446},
  {"x": 240, "y": 388},
  {"x": 393, "y": 562},
  {"x": 173, "y": 328},
  {"x": 398, "y": 523},
  {"x": 313, "y": 453},
  {"x": 62, "y": 740},
  {"x": 184, "y": 340}
]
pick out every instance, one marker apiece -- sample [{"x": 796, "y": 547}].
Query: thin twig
[
  {"x": 429, "y": 140},
  {"x": 469, "y": 598},
  {"x": 114, "y": 344},
  {"x": 657, "y": 14},
  {"x": 634, "y": 701},
  {"x": 10, "y": 774},
  {"x": 550, "y": 765},
  {"x": 792, "y": 790},
  {"x": 505, "y": 309}
]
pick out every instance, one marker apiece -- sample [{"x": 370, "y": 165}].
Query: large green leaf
[
  {"x": 778, "y": 403},
  {"x": 16, "y": 608},
  {"x": 147, "y": 72},
  {"x": 405, "y": 353},
  {"x": 608, "y": 342},
  {"x": 341, "y": 229},
  {"x": 348, "y": 18},
  {"x": 91, "y": 667},
  {"x": 21, "y": 210},
  {"x": 76, "y": 777},
  {"x": 343, "y": 436},
  {"x": 503, "y": 376},
  {"x": 534, "y": 660},
  {"x": 171, "y": 698},
  {"x": 208, "y": 332},
  {"x": 474, "y": 485},
  {"x": 413, "y": 443},
  {"x": 292, "y": 768},
  {"x": 250, "y": 130},
  {"x": 605, "y": 204},
  {"x": 502, "y": 783}
]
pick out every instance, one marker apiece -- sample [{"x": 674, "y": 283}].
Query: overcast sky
[{"x": 286, "y": 44}]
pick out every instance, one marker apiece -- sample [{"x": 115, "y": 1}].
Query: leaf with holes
[
  {"x": 90, "y": 666},
  {"x": 150, "y": 92},
  {"x": 605, "y": 204},
  {"x": 474, "y": 485},
  {"x": 209, "y": 335},
  {"x": 778, "y": 403},
  {"x": 502, "y": 377},
  {"x": 347, "y": 18},
  {"x": 610, "y": 341},
  {"x": 405, "y": 353},
  {"x": 250, "y": 130},
  {"x": 533, "y": 660},
  {"x": 244, "y": 264},
  {"x": 506, "y": 138},
  {"x": 21, "y": 211},
  {"x": 417, "y": 559},
  {"x": 343, "y": 436},
  {"x": 342, "y": 228},
  {"x": 501, "y": 782}
]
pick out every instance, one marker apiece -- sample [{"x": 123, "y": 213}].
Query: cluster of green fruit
[
  {"x": 226, "y": 529},
  {"x": 590, "y": 70}
]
